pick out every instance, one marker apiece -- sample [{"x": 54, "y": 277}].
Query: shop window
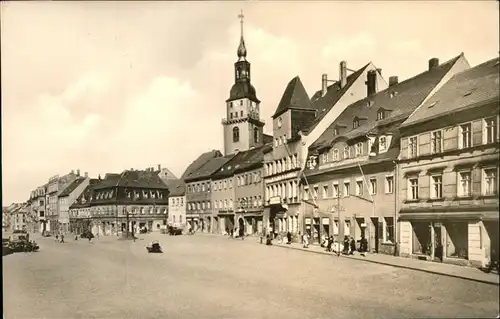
[
  {"x": 457, "y": 240},
  {"x": 389, "y": 229},
  {"x": 421, "y": 238}
]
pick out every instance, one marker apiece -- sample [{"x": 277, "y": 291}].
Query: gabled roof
[
  {"x": 71, "y": 187},
  {"x": 333, "y": 94},
  {"x": 465, "y": 89},
  {"x": 295, "y": 96},
  {"x": 401, "y": 99},
  {"x": 200, "y": 161},
  {"x": 211, "y": 166},
  {"x": 176, "y": 187},
  {"x": 87, "y": 192},
  {"x": 241, "y": 162}
]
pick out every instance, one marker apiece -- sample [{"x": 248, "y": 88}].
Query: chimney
[
  {"x": 86, "y": 174},
  {"x": 99, "y": 177},
  {"x": 393, "y": 80},
  {"x": 77, "y": 172},
  {"x": 433, "y": 63},
  {"x": 72, "y": 171},
  {"x": 343, "y": 74},
  {"x": 379, "y": 70},
  {"x": 159, "y": 167},
  {"x": 324, "y": 84},
  {"x": 371, "y": 83}
]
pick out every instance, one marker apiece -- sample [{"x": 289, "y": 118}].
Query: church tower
[{"x": 243, "y": 128}]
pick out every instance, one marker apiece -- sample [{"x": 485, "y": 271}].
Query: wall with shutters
[
  {"x": 404, "y": 148},
  {"x": 450, "y": 138},
  {"x": 424, "y": 144}
]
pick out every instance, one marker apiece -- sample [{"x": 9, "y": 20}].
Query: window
[
  {"x": 324, "y": 157},
  {"x": 335, "y": 190},
  {"x": 209, "y": 205},
  {"x": 231, "y": 115},
  {"x": 335, "y": 131},
  {"x": 412, "y": 146},
  {"x": 346, "y": 152},
  {"x": 325, "y": 191},
  {"x": 359, "y": 188},
  {"x": 436, "y": 186},
  {"x": 236, "y": 134},
  {"x": 355, "y": 124},
  {"x": 203, "y": 205},
  {"x": 256, "y": 135},
  {"x": 413, "y": 188},
  {"x": 464, "y": 184},
  {"x": 241, "y": 112},
  {"x": 347, "y": 189},
  {"x": 225, "y": 185},
  {"x": 315, "y": 193},
  {"x": 490, "y": 181},
  {"x": 389, "y": 184},
  {"x": 373, "y": 186},
  {"x": 436, "y": 142},
  {"x": 465, "y": 139},
  {"x": 335, "y": 154},
  {"x": 382, "y": 143},
  {"x": 490, "y": 130},
  {"x": 306, "y": 193},
  {"x": 389, "y": 229},
  {"x": 380, "y": 115},
  {"x": 359, "y": 149}
]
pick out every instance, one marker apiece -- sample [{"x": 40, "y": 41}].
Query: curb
[{"x": 395, "y": 266}]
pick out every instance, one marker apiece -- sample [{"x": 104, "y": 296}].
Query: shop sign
[{"x": 275, "y": 200}]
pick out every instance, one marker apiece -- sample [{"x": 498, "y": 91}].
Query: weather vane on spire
[
  {"x": 241, "y": 16},
  {"x": 242, "y": 50}
]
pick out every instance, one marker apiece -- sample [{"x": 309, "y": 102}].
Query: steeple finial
[{"x": 242, "y": 50}]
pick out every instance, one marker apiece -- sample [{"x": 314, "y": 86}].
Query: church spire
[{"x": 242, "y": 50}]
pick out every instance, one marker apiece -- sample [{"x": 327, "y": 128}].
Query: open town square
[
  {"x": 234, "y": 160},
  {"x": 208, "y": 276}
]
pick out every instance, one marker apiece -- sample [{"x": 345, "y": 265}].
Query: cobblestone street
[{"x": 216, "y": 277}]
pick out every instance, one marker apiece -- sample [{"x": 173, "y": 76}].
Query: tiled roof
[
  {"x": 87, "y": 192},
  {"x": 176, "y": 187},
  {"x": 71, "y": 187},
  {"x": 241, "y": 162},
  {"x": 110, "y": 180},
  {"x": 205, "y": 171},
  {"x": 267, "y": 138},
  {"x": 397, "y": 100},
  {"x": 141, "y": 179},
  {"x": 463, "y": 90},
  {"x": 202, "y": 159},
  {"x": 295, "y": 96},
  {"x": 324, "y": 104}
]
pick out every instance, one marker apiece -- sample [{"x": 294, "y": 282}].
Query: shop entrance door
[{"x": 438, "y": 243}]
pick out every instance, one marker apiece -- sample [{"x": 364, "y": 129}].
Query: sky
[{"x": 107, "y": 86}]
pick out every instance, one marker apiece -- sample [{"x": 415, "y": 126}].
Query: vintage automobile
[
  {"x": 20, "y": 242},
  {"x": 174, "y": 231},
  {"x": 154, "y": 248}
]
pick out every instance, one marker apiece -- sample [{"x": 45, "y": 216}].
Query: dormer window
[
  {"x": 380, "y": 115},
  {"x": 359, "y": 149},
  {"x": 335, "y": 131},
  {"x": 382, "y": 143},
  {"x": 355, "y": 123},
  {"x": 346, "y": 152}
]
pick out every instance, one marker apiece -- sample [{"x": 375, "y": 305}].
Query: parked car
[{"x": 174, "y": 231}]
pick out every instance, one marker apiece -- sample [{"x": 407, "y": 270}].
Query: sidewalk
[{"x": 467, "y": 273}]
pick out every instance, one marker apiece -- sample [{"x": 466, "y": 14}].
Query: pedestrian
[
  {"x": 305, "y": 240},
  {"x": 352, "y": 247},
  {"x": 289, "y": 237},
  {"x": 57, "y": 237},
  {"x": 62, "y": 238},
  {"x": 345, "y": 249},
  {"x": 363, "y": 245},
  {"x": 329, "y": 244},
  {"x": 242, "y": 233}
]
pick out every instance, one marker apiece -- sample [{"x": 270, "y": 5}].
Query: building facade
[
  {"x": 349, "y": 183},
  {"x": 177, "y": 204},
  {"x": 449, "y": 171},
  {"x": 67, "y": 197},
  {"x": 55, "y": 186},
  {"x": 297, "y": 122}
]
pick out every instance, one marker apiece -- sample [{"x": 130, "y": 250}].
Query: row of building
[{"x": 412, "y": 166}]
